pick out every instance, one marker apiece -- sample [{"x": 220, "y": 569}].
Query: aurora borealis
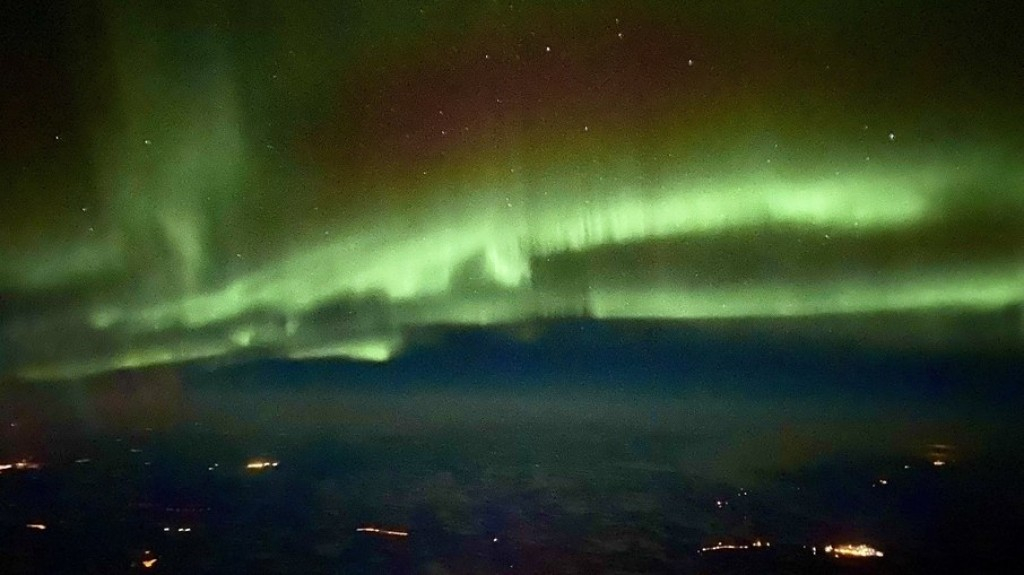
[{"x": 325, "y": 179}]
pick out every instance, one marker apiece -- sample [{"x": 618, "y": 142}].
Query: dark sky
[{"x": 330, "y": 179}]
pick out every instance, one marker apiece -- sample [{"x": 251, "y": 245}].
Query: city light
[
  {"x": 941, "y": 453},
  {"x": 727, "y": 547},
  {"x": 848, "y": 550},
  {"x": 382, "y": 531},
  {"x": 721, "y": 546},
  {"x": 38, "y": 526},
  {"x": 260, "y": 464},
  {"x": 21, "y": 465}
]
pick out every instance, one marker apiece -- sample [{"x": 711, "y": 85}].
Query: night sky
[
  {"x": 213, "y": 181},
  {"x": 543, "y": 286}
]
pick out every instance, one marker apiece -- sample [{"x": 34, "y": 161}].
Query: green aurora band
[{"x": 217, "y": 213}]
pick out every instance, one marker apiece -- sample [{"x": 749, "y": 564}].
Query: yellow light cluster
[
  {"x": 859, "y": 550},
  {"x": 723, "y": 546},
  {"x": 258, "y": 464},
  {"x": 20, "y": 465}
]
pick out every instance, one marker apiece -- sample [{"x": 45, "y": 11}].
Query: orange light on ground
[
  {"x": 723, "y": 547},
  {"x": 259, "y": 464},
  {"x": 149, "y": 563},
  {"x": 859, "y": 550},
  {"x": 20, "y": 465},
  {"x": 735, "y": 546}
]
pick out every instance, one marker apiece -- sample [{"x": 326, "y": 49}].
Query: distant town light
[
  {"x": 721, "y": 547},
  {"x": 38, "y": 526},
  {"x": 21, "y": 465},
  {"x": 382, "y": 531},
  {"x": 259, "y": 464},
  {"x": 849, "y": 550}
]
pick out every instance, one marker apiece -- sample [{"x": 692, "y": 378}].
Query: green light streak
[
  {"x": 423, "y": 263},
  {"x": 374, "y": 349},
  {"x": 977, "y": 289}
]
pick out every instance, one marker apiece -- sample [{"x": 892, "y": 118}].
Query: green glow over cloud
[{"x": 322, "y": 196}]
